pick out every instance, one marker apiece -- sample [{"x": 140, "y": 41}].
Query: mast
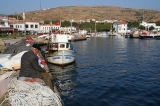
[
  {"x": 95, "y": 27},
  {"x": 143, "y": 16}
]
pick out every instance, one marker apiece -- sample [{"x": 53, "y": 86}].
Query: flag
[{"x": 58, "y": 23}]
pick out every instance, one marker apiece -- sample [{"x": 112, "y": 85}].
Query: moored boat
[
  {"x": 102, "y": 34},
  {"x": 149, "y": 36},
  {"x": 59, "y": 50},
  {"x": 88, "y": 36},
  {"x": 127, "y": 35}
]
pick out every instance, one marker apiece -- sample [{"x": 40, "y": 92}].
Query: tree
[
  {"x": 46, "y": 21},
  {"x": 133, "y": 24},
  {"x": 65, "y": 24},
  {"x": 141, "y": 27},
  {"x": 151, "y": 28},
  {"x": 158, "y": 23},
  {"x": 55, "y": 21}
]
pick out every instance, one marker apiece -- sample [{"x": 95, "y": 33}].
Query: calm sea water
[{"x": 111, "y": 71}]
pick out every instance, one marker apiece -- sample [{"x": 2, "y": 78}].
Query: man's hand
[{"x": 47, "y": 71}]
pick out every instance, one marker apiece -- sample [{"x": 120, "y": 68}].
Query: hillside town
[{"x": 10, "y": 25}]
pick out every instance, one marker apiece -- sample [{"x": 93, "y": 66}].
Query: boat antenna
[{"x": 143, "y": 15}]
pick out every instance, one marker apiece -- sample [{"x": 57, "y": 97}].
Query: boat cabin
[
  {"x": 59, "y": 42},
  {"x": 59, "y": 46}
]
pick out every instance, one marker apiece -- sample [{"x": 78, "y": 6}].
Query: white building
[
  {"x": 157, "y": 28},
  {"x": 46, "y": 28},
  {"x": 68, "y": 29},
  {"x": 25, "y": 26},
  {"x": 120, "y": 27},
  {"x": 147, "y": 25},
  {"x": 4, "y": 22}
]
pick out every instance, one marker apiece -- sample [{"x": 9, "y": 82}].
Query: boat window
[
  {"x": 71, "y": 48},
  {"x": 55, "y": 45},
  {"x": 67, "y": 45},
  {"x": 62, "y": 45}
]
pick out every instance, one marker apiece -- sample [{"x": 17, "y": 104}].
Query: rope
[
  {"x": 22, "y": 93},
  {"x": 5, "y": 99}
]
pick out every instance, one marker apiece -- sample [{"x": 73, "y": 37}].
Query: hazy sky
[{"x": 17, "y": 6}]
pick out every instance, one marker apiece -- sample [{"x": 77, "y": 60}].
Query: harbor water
[{"x": 111, "y": 71}]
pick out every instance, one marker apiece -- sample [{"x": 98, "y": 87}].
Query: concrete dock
[{"x": 78, "y": 39}]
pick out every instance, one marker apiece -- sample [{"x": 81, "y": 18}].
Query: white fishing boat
[
  {"x": 102, "y": 34},
  {"x": 7, "y": 61},
  {"x": 88, "y": 36},
  {"x": 59, "y": 50},
  {"x": 45, "y": 36}
]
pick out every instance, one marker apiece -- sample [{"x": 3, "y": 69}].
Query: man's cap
[{"x": 36, "y": 46}]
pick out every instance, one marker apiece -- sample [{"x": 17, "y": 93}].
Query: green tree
[
  {"x": 103, "y": 26},
  {"x": 65, "y": 24},
  {"x": 47, "y": 21},
  {"x": 158, "y": 23},
  {"x": 85, "y": 25},
  {"x": 141, "y": 27},
  {"x": 55, "y": 21},
  {"x": 151, "y": 28},
  {"x": 133, "y": 24}
]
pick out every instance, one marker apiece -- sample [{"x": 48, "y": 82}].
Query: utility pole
[
  {"x": 71, "y": 26},
  {"x": 143, "y": 16},
  {"x": 40, "y": 4},
  {"x": 71, "y": 22}
]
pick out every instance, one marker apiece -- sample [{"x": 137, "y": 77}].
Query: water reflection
[
  {"x": 65, "y": 78},
  {"x": 111, "y": 71}
]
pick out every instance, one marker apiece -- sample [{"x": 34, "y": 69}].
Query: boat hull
[
  {"x": 134, "y": 36},
  {"x": 149, "y": 37},
  {"x": 127, "y": 36},
  {"x": 62, "y": 57}
]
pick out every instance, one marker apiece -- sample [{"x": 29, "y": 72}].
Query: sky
[{"x": 18, "y": 6}]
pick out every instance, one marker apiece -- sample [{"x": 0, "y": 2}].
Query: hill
[{"x": 94, "y": 12}]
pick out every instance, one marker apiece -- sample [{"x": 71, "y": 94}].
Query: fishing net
[{"x": 23, "y": 93}]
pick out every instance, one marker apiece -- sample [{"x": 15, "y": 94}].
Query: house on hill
[
  {"x": 120, "y": 27},
  {"x": 148, "y": 25}
]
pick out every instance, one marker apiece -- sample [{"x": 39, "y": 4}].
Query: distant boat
[
  {"x": 42, "y": 39},
  {"x": 127, "y": 35},
  {"x": 102, "y": 34},
  {"x": 45, "y": 36},
  {"x": 88, "y": 36},
  {"x": 149, "y": 36},
  {"x": 59, "y": 50}
]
